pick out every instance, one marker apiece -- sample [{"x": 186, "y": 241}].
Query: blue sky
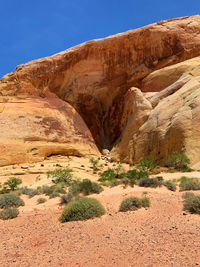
[{"x": 34, "y": 29}]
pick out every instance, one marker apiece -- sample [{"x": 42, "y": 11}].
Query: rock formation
[{"x": 130, "y": 90}]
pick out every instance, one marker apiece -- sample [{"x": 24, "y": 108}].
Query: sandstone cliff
[{"x": 94, "y": 80}]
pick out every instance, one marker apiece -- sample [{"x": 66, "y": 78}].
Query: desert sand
[{"x": 162, "y": 235}]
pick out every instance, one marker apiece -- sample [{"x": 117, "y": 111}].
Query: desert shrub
[
  {"x": 115, "y": 183},
  {"x": 125, "y": 181},
  {"x": 95, "y": 163},
  {"x": 147, "y": 164},
  {"x": 64, "y": 199},
  {"x": 33, "y": 192},
  {"x": 60, "y": 190},
  {"x": 137, "y": 174},
  {"x": 25, "y": 190},
  {"x": 10, "y": 200},
  {"x": 61, "y": 176},
  {"x": 192, "y": 203},
  {"x": 13, "y": 183},
  {"x": 41, "y": 200},
  {"x": 86, "y": 187},
  {"x": 187, "y": 195},
  {"x": 8, "y": 213},
  {"x": 189, "y": 184},
  {"x": 75, "y": 189},
  {"x": 149, "y": 182},
  {"x": 178, "y": 161},
  {"x": 82, "y": 209},
  {"x": 29, "y": 191},
  {"x": 134, "y": 203},
  {"x": 119, "y": 173},
  {"x": 171, "y": 186},
  {"x": 54, "y": 194},
  {"x": 96, "y": 188},
  {"x": 47, "y": 190},
  {"x": 145, "y": 202},
  {"x": 107, "y": 175}
]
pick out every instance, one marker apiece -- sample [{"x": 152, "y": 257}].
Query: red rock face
[{"x": 94, "y": 77}]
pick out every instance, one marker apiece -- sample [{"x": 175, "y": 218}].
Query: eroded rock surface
[
  {"x": 95, "y": 78},
  {"x": 35, "y": 128}
]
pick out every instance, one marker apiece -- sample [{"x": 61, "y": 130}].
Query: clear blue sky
[{"x": 32, "y": 29}]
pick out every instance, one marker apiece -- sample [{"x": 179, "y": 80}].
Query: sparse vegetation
[
  {"x": 108, "y": 175},
  {"x": 64, "y": 199},
  {"x": 191, "y": 203},
  {"x": 8, "y": 213},
  {"x": 54, "y": 194},
  {"x": 134, "y": 203},
  {"x": 187, "y": 184},
  {"x": 95, "y": 164},
  {"x": 82, "y": 209},
  {"x": 85, "y": 187},
  {"x": 170, "y": 185},
  {"x": 187, "y": 195},
  {"x": 150, "y": 182},
  {"x": 147, "y": 164},
  {"x": 12, "y": 183},
  {"x": 178, "y": 161},
  {"x": 29, "y": 191},
  {"x": 116, "y": 176},
  {"x": 115, "y": 183},
  {"x": 10, "y": 200},
  {"x": 61, "y": 176},
  {"x": 41, "y": 200}
]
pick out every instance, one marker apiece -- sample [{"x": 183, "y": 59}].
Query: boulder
[{"x": 35, "y": 128}]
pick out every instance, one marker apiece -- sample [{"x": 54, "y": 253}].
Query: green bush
[
  {"x": 189, "y": 184},
  {"x": 187, "y": 195},
  {"x": 115, "y": 183},
  {"x": 147, "y": 164},
  {"x": 29, "y": 191},
  {"x": 134, "y": 203},
  {"x": 118, "y": 173},
  {"x": 86, "y": 187},
  {"x": 54, "y": 194},
  {"x": 137, "y": 174},
  {"x": 192, "y": 203},
  {"x": 10, "y": 200},
  {"x": 82, "y": 209},
  {"x": 61, "y": 176},
  {"x": 171, "y": 186},
  {"x": 95, "y": 163},
  {"x": 149, "y": 182},
  {"x": 60, "y": 190},
  {"x": 13, "y": 183},
  {"x": 178, "y": 161},
  {"x": 145, "y": 202},
  {"x": 41, "y": 200},
  {"x": 8, "y": 213},
  {"x": 125, "y": 181},
  {"x": 49, "y": 190},
  {"x": 107, "y": 175},
  {"x": 64, "y": 199}
]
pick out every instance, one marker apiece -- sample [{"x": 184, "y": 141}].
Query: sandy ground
[{"x": 162, "y": 235}]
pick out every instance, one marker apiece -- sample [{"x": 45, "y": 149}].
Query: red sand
[{"x": 162, "y": 235}]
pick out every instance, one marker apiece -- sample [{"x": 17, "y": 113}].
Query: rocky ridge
[{"x": 136, "y": 93}]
